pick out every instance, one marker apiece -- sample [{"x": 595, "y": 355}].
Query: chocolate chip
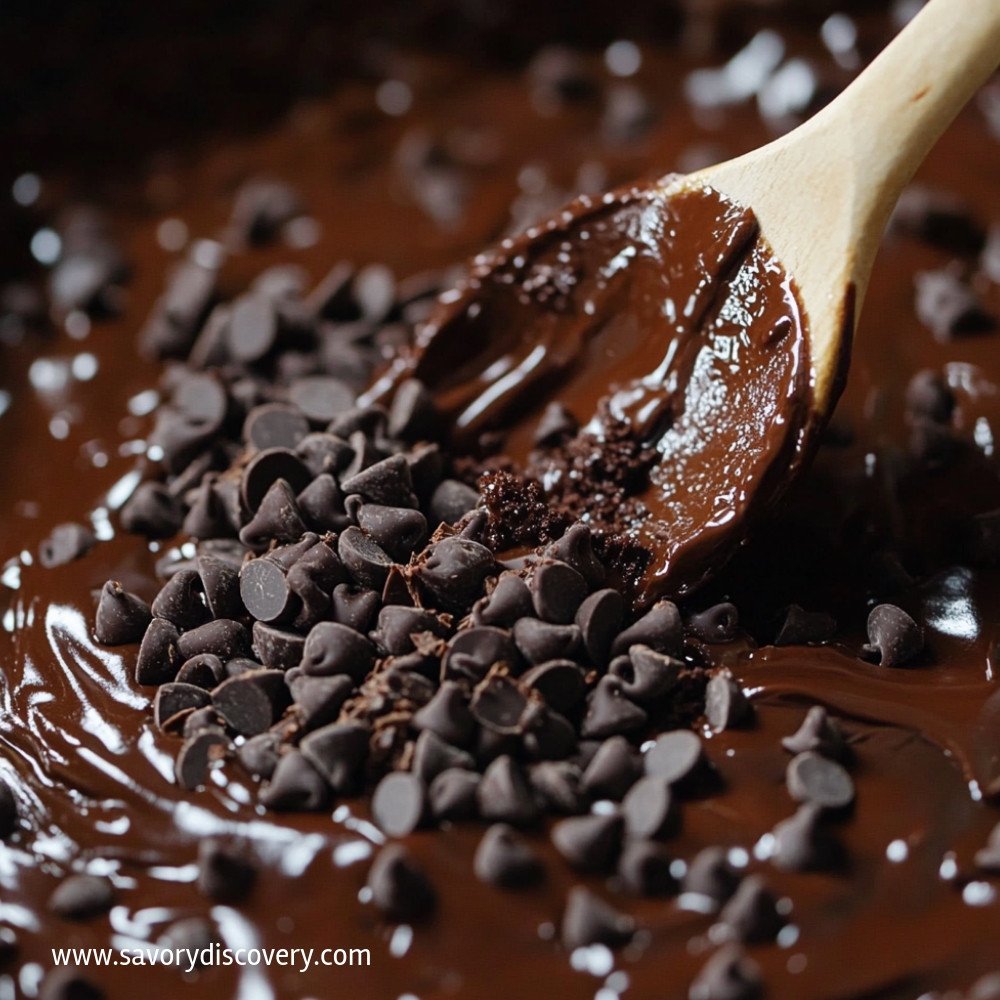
[
  {"x": 65, "y": 543},
  {"x": 454, "y": 571},
  {"x": 557, "y": 785},
  {"x": 267, "y": 468},
  {"x": 547, "y": 734},
  {"x": 387, "y": 482},
  {"x": 600, "y": 619},
  {"x": 587, "y": 920},
  {"x": 555, "y": 425},
  {"x": 727, "y": 975},
  {"x": 447, "y": 714},
  {"x": 677, "y": 758},
  {"x": 561, "y": 683},
  {"x": 252, "y": 329},
  {"x": 261, "y": 207},
  {"x": 399, "y": 887},
  {"x": 711, "y": 875},
  {"x": 540, "y": 642},
  {"x": 159, "y": 655},
  {"x": 8, "y": 811},
  {"x": 200, "y": 719},
  {"x": 509, "y": 601},
  {"x": 365, "y": 560},
  {"x": 557, "y": 591},
  {"x": 172, "y": 698},
  {"x": 801, "y": 843},
  {"x": 928, "y": 395},
  {"x": 121, "y": 617},
  {"x": 221, "y": 585},
  {"x": 726, "y": 706},
  {"x": 319, "y": 699},
  {"x": 321, "y": 398},
  {"x": 151, "y": 511},
  {"x": 277, "y": 648},
  {"x": 499, "y": 704},
  {"x": 650, "y": 810},
  {"x": 259, "y": 754},
  {"x": 660, "y": 629},
  {"x": 69, "y": 984},
  {"x": 645, "y": 675},
  {"x": 644, "y": 869},
  {"x": 397, "y": 625},
  {"x": 432, "y": 755},
  {"x": 399, "y": 803},
  {"x": 295, "y": 786},
  {"x": 412, "y": 415},
  {"x": 504, "y": 794},
  {"x": 802, "y": 628},
  {"x": 937, "y": 217},
  {"x": 473, "y": 651},
  {"x": 576, "y": 549},
  {"x": 375, "y": 291},
  {"x": 8, "y": 946},
  {"x": 505, "y": 859},
  {"x": 751, "y": 915},
  {"x": 452, "y": 795},
  {"x": 609, "y": 712},
  {"x": 265, "y": 592},
  {"x": 948, "y": 306},
  {"x": 321, "y": 505},
  {"x": 324, "y": 454},
  {"x": 612, "y": 770},
  {"x": 716, "y": 624},
  {"x": 191, "y": 933},
  {"x": 80, "y": 897},
  {"x": 813, "y": 778},
  {"x": 354, "y": 608},
  {"x": 451, "y": 501},
  {"x": 338, "y": 752},
  {"x": 251, "y": 702},
  {"x": 331, "y": 648},
  {"x": 818, "y": 733},
  {"x": 275, "y": 425},
  {"x": 277, "y": 519},
  {"x": 589, "y": 843},
  {"x": 223, "y": 637},
  {"x": 196, "y": 755},
  {"x": 224, "y": 875},
  {"x": 399, "y": 531},
  {"x": 894, "y": 638},
  {"x": 180, "y": 601}
]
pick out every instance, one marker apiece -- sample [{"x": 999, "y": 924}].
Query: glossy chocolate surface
[{"x": 93, "y": 776}]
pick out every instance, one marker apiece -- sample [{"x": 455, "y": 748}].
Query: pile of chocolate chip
[{"x": 345, "y": 621}]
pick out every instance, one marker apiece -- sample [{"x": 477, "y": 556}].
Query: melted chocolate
[{"x": 93, "y": 776}]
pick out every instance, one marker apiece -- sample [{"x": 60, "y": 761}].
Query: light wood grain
[{"x": 824, "y": 192}]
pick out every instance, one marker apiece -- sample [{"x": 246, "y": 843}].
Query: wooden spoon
[{"x": 667, "y": 308}]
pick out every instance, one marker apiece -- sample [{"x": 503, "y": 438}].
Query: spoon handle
[{"x": 886, "y": 122}]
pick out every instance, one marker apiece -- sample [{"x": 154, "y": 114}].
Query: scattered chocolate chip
[
  {"x": 191, "y": 933},
  {"x": 505, "y": 859},
  {"x": 277, "y": 648},
  {"x": 180, "y": 601},
  {"x": 65, "y": 543},
  {"x": 8, "y": 946},
  {"x": 399, "y": 531},
  {"x": 251, "y": 702},
  {"x": 278, "y": 518},
  {"x": 221, "y": 585},
  {"x": 801, "y": 843},
  {"x": 223, "y": 637},
  {"x": 504, "y": 795},
  {"x": 432, "y": 755},
  {"x": 224, "y": 875},
  {"x": 726, "y": 706},
  {"x": 331, "y": 648},
  {"x": 320, "y": 398},
  {"x": 295, "y": 786},
  {"x": 80, "y": 897},
  {"x": 259, "y": 754},
  {"x": 265, "y": 592},
  {"x": 387, "y": 482},
  {"x": 813, "y": 778},
  {"x": 561, "y": 683},
  {"x": 275, "y": 425},
  {"x": 677, "y": 757},
  {"x": 499, "y": 704},
  {"x": 894, "y": 638},
  {"x": 711, "y": 875},
  {"x": 727, "y": 975},
  {"x": 802, "y": 628},
  {"x": 261, "y": 207},
  {"x": 8, "y": 811},
  {"x": 365, "y": 560},
  {"x": 399, "y": 803},
  {"x": 949, "y": 307},
  {"x": 650, "y": 810},
  {"x": 453, "y": 794},
  {"x": 121, "y": 617},
  {"x": 175, "y": 697},
  {"x": 399, "y": 887},
  {"x": 151, "y": 511},
  {"x": 319, "y": 699},
  {"x": 159, "y": 656},
  {"x": 412, "y": 415},
  {"x": 589, "y": 843},
  {"x": 716, "y": 624},
  {"x": 587, "y": 920},
  {"x": 454, "y": 572},
  {"x": 937, "y": 217},
  {"x": 264, "y": 470},
  {"x": 645, "y": 675},
  {"x": 609, "y": 711},
  {"x": 557, "y": 784},
  {"x": 354, "y": 608},
  {"x": 818, "y": 733},
  {"x": 509, "y": 601},
  {"x": 196, "y": 755},
  {"x": 660, "y": 629},
  {"x": 338, "y": 752},
  {"x": 451, "y": 501},
  {"x": 576, "y": 549},
  {"x": 600, "y": 618},
  {"x": 644, "y": 869},
  {"x": 751, "y": 915}
]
